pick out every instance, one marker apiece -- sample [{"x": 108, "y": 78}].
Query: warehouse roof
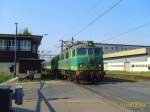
[
  {"x": 122, "y": 45},
  {"x": 133, "y": 52}
]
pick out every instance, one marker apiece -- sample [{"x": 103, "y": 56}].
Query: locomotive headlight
[
  {"x": 99, "y": 65},
  {"x": 81, "y": 65}
]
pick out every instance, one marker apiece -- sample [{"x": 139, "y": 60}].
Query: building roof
[
  {"x": 133, "y": 52},
  {"x": 33, "y": 37},
  {"x": 121, "y": 45}
]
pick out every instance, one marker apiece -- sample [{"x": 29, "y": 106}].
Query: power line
[
  {"x": 97, "y": 18},
  {"x": 92, "y": 8},
  {"x": 128, "y": 31}
]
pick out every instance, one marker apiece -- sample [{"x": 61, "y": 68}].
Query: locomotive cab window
[
  {"x": 90, "y": 51},
  {"x": 97, "y": 51},
  {"x": 67, "y": 54},
  {"x": 81, "y": 51}
]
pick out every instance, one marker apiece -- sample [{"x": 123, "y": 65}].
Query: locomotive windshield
[
  {"x": 89, "y": 51},
  {"x": 81, "y": 51},
  {"x": 97, "y": 51},
  {"x": 93, "y": 51}
]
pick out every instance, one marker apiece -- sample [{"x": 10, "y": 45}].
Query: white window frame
[
  {"x": 11, "y": 47},
  {"x": 25, "y": 45},
  {"x": 3, "y": 47}
]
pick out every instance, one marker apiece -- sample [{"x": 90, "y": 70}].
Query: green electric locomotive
[{"x": 81, "y": 62}]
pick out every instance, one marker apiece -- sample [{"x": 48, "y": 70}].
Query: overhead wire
[
  {"x": 128, "y": 31},
  {"x": 92, "y": 8},
  {"x": 97, "y": 18}
]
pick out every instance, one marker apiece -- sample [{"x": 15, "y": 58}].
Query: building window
[
  {"x": 112, "y": 48},
  {"x": 116, "y": 48},
  {"x": 11, "y": 45},
  {"x": 3, "y": 44},
  {"x": 34, "y": 48},
  {"x": 106, "y": 48},
  {"x": 25, "y": 45}
]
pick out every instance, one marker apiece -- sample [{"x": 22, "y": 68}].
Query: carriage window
[
  {"x": 90, "y": 51},
  {"x": 96, "y": 51},
  {"x": 67, "y": 54},
  {"x": 81, "y": 51},
  {"x": 73, "y": 52}
]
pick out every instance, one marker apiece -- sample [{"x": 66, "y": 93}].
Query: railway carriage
[{"x": 82, "y": 62}]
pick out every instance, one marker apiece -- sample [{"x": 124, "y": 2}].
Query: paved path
[{"x": 66, "y": 97}]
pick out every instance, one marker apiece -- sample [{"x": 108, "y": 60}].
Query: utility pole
[{"x": 15, "y": 58}]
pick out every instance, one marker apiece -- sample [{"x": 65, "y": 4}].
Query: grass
[
  {"x": 145, "y": 74},
  {"x": 129, "y": 75},
  {"x": 4, "y": 77}
]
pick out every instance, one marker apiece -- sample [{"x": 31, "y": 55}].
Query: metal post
[
  {"x": 15, "y": 60},
  {"x": 62, "y": 45},
  {"x": 72, "y": 40}
]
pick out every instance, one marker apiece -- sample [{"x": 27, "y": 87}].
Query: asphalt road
[
  {"x": 65, "y": 97},
  {"x": 118, "y": 91},
  {"x": 124, "y": 92}
]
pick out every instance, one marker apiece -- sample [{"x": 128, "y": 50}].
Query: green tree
[{"x": 25, "y": 32}]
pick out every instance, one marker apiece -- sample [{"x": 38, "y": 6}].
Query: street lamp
[{"x": 15, "y": 60}]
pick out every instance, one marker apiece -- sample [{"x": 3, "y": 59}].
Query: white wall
[
  {"x": 115, "y": 66},
  {"x": 139, "y": 66},
  {"x": 135, "y": 64},
  {"x": 4, "y": 68}
]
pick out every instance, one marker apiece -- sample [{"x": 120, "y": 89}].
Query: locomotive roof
[
  {"x": 79, "y": 46},
  {"x": 82, "y": 45}
]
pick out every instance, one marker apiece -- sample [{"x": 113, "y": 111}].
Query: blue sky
[{"x": 61, "y": 19}]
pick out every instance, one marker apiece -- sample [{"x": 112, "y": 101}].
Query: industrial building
[
  {"x": 136, "y": 60},
  {"x": 109, "y": 48}
]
